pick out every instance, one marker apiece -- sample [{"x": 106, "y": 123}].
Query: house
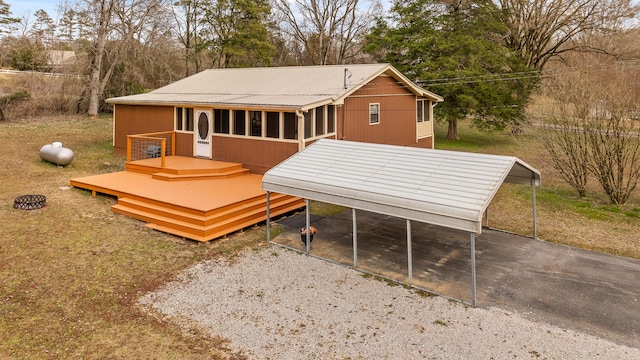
[
  {"x": 258, "y": 117},
  {"x": 196, "y": 149},
  {"x": 61, "y": 58}
]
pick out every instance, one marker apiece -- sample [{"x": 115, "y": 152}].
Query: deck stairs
[
  {"x": 190, "y": 223},
  {"x": 200, "y": 225}
]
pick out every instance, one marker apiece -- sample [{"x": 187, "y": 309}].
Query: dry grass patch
[
  {"x": 563, "y": 217},
  {"x": 71, "y": 273}
]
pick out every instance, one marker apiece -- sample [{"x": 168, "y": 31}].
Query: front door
[{"x": 203, "y": 134}]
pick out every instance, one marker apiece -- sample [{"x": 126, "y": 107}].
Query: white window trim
[
  {"x": 184, "y": 119},
  {"x": 370, "y": 113}
]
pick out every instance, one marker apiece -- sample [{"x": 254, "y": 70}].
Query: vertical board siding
[
  {"x": 139, "y": 119},
  {"x": 426, "y": 143},
  {"x": 397, "y": 114},
  {"x": 255, "y": 155},
  {"x": 184, "y": 144}
]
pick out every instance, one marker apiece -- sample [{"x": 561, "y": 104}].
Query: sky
[{"x": 20, "y": 8}]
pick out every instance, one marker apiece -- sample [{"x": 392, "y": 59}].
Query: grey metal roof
[
  {"x": 299, "y": 87},
  {"x": 446, "y": 188}
]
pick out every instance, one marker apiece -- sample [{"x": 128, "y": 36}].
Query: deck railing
[{"x": 151, "y": 146}]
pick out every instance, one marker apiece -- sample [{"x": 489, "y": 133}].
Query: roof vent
[{"x": 347, "y": 76}]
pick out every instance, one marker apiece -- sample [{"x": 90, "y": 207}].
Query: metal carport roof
[{"x": 447, "y": 188}]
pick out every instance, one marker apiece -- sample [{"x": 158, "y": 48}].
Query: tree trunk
[
  {"x": 452, "y": 132},
  {"x": 105, "y": 8}
]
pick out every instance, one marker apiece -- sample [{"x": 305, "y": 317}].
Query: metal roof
[
  {"x": 446, "y": 188},
  {"x": 298, "y": 87}
]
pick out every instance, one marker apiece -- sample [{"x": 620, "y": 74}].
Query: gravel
[{"x": 279, "y": 304}]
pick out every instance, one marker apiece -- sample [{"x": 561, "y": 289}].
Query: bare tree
[
  {"x": 112, "y": 21},
  {"x": 593, "y": 126},
  {"x": 328, "y": 31},
  {"x": 563, "y": 133},
  {"x": 188, "y": 15},
  {"x": 613, "y": 132},
  {"x": 543, "y": 29}
]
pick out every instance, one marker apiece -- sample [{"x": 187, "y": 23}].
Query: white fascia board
[{"x": 474, "y": 226}]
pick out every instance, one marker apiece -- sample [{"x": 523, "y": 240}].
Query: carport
[{"x": 444, "y": 188}]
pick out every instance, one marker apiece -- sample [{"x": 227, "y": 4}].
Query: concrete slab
[{"x": 572, "y": 288}]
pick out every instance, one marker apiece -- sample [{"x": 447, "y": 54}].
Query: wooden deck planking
[{"x": 200, "y": 209}]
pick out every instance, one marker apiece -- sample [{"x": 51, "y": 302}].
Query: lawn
[
  {"x": 71, "y": 273},
  {"x": 563, "y": 217}
]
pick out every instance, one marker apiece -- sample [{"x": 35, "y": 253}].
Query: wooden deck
[{"x": 193, "y": 198}]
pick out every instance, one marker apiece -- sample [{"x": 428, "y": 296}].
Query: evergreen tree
[
  {"x": 7, "y": 21},
  {"x": 43, "y": 28},
  {"x": 454, "y": 48},
  {"x": 239, "y": 35}
]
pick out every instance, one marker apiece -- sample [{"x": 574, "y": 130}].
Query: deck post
[
  {"x": 355, "y": 238},
  {"x": 268, "y": 216},
  {"x": 308, "y": 220},
  {"x": 473, "y": 269},
  {"x": 173, "y": 143},
  {"x": 128, "y": 149},
  {"x": 409, "y": 253},
  {"x": 163, "y": 148}
]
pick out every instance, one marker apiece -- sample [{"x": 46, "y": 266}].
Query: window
[
  {"x": 374, "y": 114},
  {"x": 189, "y": 119},
  {"x": 423, "y": 111},
  {"x": 256, "y": 123},
  {"x": 308, "y": 130},
  {"x": 239, "y": 123},
  {"x": 320, "y": 120},
  {"x": 184, "y": 119},
  {"x": 290, "y": 126},
  {"x": 179, "y": 119},
  {"x": 273, "y": 124},
  {"x": 221, "y": 121},
  {"x": 331, "y": 119}
]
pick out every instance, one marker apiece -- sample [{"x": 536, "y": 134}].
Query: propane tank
[{"x": 55, "y": 153}]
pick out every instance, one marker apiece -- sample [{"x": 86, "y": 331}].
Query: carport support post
[
  {"x": 486, "y": 217},
  {"x": 355, "y": 238},
  {"x": 268, "y": 216},
  {"x": 533, "y": 191},
  {"x": 308, "y": 219},
  {"x": 409, "y": 253},
  {"x": 473, "y": 269}
]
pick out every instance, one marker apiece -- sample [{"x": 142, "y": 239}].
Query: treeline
[{"x": 474, "y": 53}]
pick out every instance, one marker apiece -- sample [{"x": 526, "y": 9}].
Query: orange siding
[
  {"x": 397, "y": 114},
  {"x": 138, "y": 119},
  {"x": 426, "y": 143},
  {"x": 184, "y": 144},
  {"x": 255, "y": 155}
]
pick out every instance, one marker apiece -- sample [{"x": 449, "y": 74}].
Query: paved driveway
[{"x": 572, "y": 288}]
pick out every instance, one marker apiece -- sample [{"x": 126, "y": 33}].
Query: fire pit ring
[{"x": 29, "y": 202}]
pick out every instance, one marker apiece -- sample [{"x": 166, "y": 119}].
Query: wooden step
[
  {"x": 166, "y": 176},
  {"x": 222, "y": 231},
  {"x": 205, "y": 228},
  {"x": 198, "y": 217}
]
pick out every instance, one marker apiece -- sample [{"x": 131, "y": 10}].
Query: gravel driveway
[{"x": 278, "y": 304}]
